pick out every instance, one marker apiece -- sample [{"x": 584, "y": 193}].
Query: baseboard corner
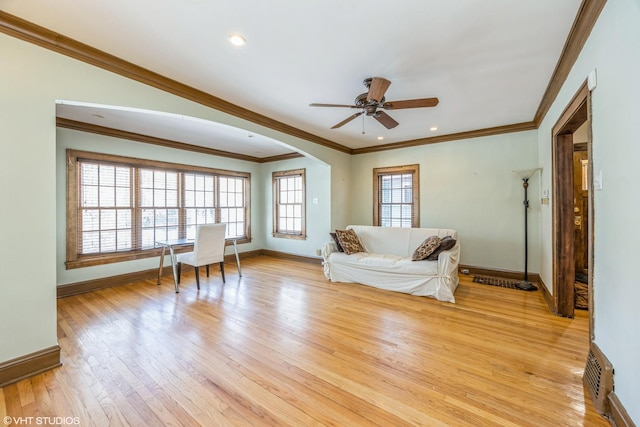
[
  {"x": 504, "y": 274},
  {"x": 29, "y": 365},
  {"x": 548, "y": 298}
]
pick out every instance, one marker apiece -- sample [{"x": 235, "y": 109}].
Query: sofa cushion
[
  {"x": 426, "y": 248},
  {"x": 334, "y": 236},
  {"x": 445, "y": 244},
  {"x": 380, "y": 267},
  {"x": 349, "y": 241}
]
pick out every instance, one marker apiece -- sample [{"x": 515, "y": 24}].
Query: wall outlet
[
  {"x": 319, "y": 252},
  {"x": 464, "y": 271}
]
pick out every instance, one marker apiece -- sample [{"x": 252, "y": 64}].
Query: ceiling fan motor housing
[{"x": 369, "y": 107}]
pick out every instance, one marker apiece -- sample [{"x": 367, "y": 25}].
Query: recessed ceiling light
[
  {"x": 380, "y": 138},
  {"x": 432, "y": 128},
  {"x": 237, "y": 40}
]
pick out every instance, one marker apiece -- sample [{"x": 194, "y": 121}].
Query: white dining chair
[{"x": 208, "y": 248}]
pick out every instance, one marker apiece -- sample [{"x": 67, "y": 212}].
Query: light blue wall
[
  {"x": 318, "y": 218},
  {"x": 613, "y": 51},
  {"x": 468, "y": 185},
  {"x": 27, "y": 191}
]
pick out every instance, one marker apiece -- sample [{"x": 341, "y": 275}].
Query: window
[
  {"x": 233, "y": 194},
  {"x": 118, "y": 207},
  {"x": 107, "y": 211},
  {"x": 289, "y": 204},
  {"x": 159, "y": 208},
  {"x": 396, "y": 196}
]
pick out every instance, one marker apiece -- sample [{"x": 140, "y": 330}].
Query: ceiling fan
[{"x": 370, "y": 102}]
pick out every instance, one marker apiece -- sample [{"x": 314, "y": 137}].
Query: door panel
[{"x": 564, "y": 265}]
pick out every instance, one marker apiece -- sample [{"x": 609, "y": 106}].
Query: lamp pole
[
  {"x": 526, "y": 284},
  {"x": 525, "y": 184}
]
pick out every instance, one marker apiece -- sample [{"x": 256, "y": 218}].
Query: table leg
[
  {"x": 173, "y": 267},
  {"x": 235, "y": 249},
  {"x": 161, "y": 264}
]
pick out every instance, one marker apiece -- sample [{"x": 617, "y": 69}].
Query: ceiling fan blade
[
  {"x": 347, "y": 120},
  {"x": 377, "y": 89},
  {"x": 385, "y": 119},
  {"x": 411, "y": 103},
  {"x": 332, "y": 105}
]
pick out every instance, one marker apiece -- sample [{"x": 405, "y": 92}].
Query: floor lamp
[{"x": 526, "y": 175}]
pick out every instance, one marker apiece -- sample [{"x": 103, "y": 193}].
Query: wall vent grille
[{"x": 598, "y": 378}]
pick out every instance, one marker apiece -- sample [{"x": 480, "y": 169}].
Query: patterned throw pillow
[
  {"x": 349, "y": 241},
  {"x": 445, "y": 244},
  {"x": 334, "y": 236},
  {"x": 426, "y": 248}
]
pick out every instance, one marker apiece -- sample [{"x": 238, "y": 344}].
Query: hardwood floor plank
[
  {"x": 12, "y": 401},
  {"x": 283, "y": 346},
  {"x": 3, "y": 404}
]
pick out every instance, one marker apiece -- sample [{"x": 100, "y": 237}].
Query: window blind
[
  {"x": 396, "y": 196},
  {"x": 118, "y": 207}
]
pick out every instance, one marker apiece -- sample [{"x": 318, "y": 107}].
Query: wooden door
[{"x": 563, "y": 225}]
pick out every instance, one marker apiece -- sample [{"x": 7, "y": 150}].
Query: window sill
[
  {"x": 92, "y": 260},
  {"x": 289, "y": 236}
]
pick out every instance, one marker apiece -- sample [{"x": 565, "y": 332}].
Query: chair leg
[
  {"x": 207, "y": 270},
  {"x": 179, "y": 270},
  {"x": 198, "y": 277},
  {"x": 222, "y": 271}
]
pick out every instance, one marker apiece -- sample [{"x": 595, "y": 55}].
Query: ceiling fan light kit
[{"x": 370, "y": 102}]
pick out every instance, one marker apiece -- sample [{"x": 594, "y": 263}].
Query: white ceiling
[{"x": 489, "y": 62}]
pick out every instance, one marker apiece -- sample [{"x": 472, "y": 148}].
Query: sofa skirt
[{"x": 428, "y": 284}]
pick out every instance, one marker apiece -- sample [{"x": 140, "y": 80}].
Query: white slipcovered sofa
[{"x": 386, "y": 262}]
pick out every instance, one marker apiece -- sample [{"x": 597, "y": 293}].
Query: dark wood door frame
[{"x": 575, "y": 115}]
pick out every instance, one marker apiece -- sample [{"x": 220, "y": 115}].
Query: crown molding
[
  {"x": 118, "y": 133},
  {"x": 279, "y": 157},
  {"x": 32, "y": 33},
  {"x": 497, "y": 130},
  {"x": 27, "y": 31},
  {"x": 583, "y": 24}
]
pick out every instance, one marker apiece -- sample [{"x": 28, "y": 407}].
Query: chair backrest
[{"x": 209, "y": 244}]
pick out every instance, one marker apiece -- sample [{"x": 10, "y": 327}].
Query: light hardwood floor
[{"x": 283, "y": 346}]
